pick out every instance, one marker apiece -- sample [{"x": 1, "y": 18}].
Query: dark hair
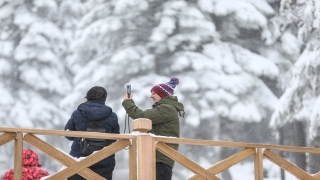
[{"x": 97, "y": 93}]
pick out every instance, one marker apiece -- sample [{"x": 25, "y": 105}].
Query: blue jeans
[{"x": 163, "y": 171}]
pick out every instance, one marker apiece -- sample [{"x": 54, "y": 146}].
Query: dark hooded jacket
[
  {"x": 31, "y": 168},
  {"x": 165, "y": 120},
  {"x": 95, "y": 111}
]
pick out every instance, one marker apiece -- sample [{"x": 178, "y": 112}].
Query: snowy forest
[{"x": 249, "y": 70}]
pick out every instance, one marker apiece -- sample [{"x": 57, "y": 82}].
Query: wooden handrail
[
  {"x": 236, "y": 144},
  {"x": 67, "y": 133}
]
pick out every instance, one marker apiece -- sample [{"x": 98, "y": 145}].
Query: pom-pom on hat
[
  {"x": 97, "y": 93},
  {"x": 166, "y": 89}
]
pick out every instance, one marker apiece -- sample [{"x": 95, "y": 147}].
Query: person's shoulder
[
  {"x": 165, "y": 107},
  {"x": 114, "y": 115},
  {"x": 109, "y": 110},
  {"x": 76, "y": 112}
]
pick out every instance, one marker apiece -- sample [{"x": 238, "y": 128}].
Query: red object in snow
[{"x": 31, "y": 169}]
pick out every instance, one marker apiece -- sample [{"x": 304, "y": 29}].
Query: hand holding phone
[{"x": 128, "y": 90}]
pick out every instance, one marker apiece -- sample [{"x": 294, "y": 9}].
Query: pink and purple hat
[{"x": 166, "y": 89}]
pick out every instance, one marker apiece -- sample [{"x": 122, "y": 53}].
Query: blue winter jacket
[{"x": 94, "y": 111}]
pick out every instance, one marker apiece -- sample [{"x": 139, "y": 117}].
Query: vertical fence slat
[
  {"x": 258, "y": 166},
  {"x": 145, "y": 160},
  {"x": 153, "y": 160},
  {"x": 133, "y": 160},
  {"x": 18, "y": 146}
]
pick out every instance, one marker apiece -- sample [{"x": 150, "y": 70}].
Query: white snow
[
  {"x": 239, "y": 112},
  {"x": 222, "y": 54},
  {"x": 255, "y": 64},
  {"x": 246, "y": 15},
  {"x": 6, "y": 48},
  {"x": 122, "y": 5},
  {"x": 290, "y": 44},
  {"x": 23, "y": 18},
  {"x": 196, "y": 61},
  {"x": 193, "y": 115},
  {"x": 5, "y": 67},
  {"x": 165, "y": 28},
  {"x": 7, "y": 98},
  {"x": 315, "y": 119}
]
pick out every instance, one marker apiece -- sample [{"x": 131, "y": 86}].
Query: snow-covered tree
[
  {"x": 211, "y": 45},
  {"x": 300, "y": 101},
  {"x": 32, "y": 70}
]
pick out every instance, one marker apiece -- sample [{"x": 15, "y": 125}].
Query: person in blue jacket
[{"x": 93, "y": 109}]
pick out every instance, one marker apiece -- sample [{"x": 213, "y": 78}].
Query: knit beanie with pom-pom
[{"x": 166, "y": 89}]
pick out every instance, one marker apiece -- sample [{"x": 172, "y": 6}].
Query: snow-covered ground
[
  {"x": 239, "y": 171},
  {"x": 246, "y": 171}
]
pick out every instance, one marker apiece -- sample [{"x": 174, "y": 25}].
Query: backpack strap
[{"x": 100, "y": 122}]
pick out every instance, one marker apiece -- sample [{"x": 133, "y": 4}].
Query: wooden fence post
[
  {"x": 133, "y": 159},
  {"x": 258, "y": 165},
  {"x": 18, "y": 146},
  {"x": 145, "y": 150}
]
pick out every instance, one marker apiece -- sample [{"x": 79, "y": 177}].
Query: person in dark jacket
[
  {"x": 93, "y": 109},
  {"x": 31, "y": 168},
  {"x": 165, "y": 120}
]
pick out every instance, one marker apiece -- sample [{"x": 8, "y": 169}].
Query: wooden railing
[{"x": 142, "y": 147}]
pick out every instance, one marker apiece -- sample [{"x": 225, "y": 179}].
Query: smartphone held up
[{"x": 128, "y": 90}]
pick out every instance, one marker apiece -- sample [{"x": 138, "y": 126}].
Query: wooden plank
[
  {"x": 154, "y": 173},
  {"x": 90, "y": 160},
  {"x": 142, "y": 125},
  {"x": 258, "y": 165},
  {"x": 228, "y": 162},
  {"x": 286, "y": 165},
  {"x": 133, "y": 160},
  {"x": 59, "y": 156},
  {"x": 68, "y": 133},
  {"x": 145, "y": 160},
  {"x": 236, "y": 144},
  {"x": 184, "y": 161},
  {"x": 18, "y": 147},
  {"x": 317, "y": 175},
  {"x": 7, "y": 137}
]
